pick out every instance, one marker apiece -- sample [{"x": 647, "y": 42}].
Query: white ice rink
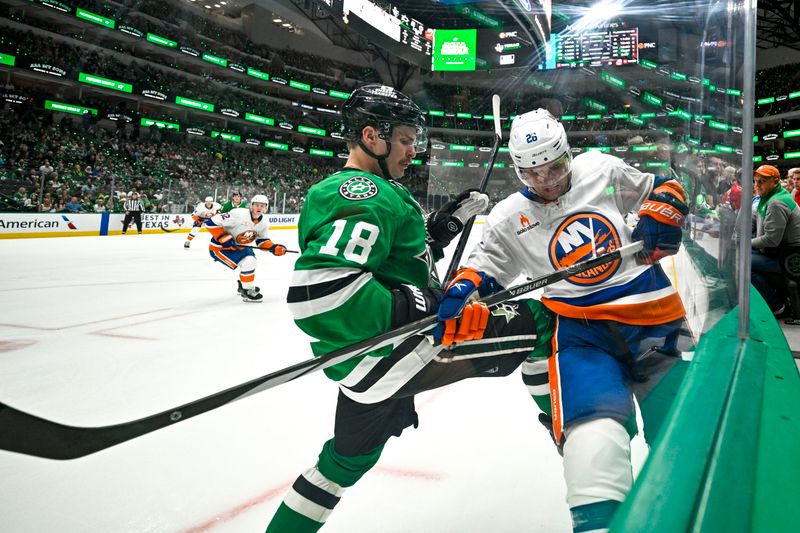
[{"x": 103, "y": 330}]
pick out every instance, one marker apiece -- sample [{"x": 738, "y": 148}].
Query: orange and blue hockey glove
[
  {"x": 661, "y": 217},
  {"x": 268, "y": 245},
  {"x": 459, "y": 319}
]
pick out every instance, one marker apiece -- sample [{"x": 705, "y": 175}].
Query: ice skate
[{"x": 251, "y": 295}]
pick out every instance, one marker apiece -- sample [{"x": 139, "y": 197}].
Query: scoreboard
[
  {"x": 412, "y": 33},
  {"x": 385, "y": 25},
  {"x": 597, "y": 48}
]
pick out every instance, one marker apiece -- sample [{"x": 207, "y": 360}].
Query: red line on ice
[
  {"x": 230, "y": 514},
  {"x": 400, "y": 472}
]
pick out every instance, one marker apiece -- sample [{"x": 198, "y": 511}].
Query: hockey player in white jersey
[
  {"x": 233, "y": 234},
  {"x": 202, "y": 212},
  {"x": 607, "y": 318}
]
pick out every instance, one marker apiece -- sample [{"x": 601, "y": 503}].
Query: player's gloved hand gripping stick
[
  {"x": 661, "y": 218},
  {"x": 461, "y": 319},
  {"x": 31, "y": 435}
]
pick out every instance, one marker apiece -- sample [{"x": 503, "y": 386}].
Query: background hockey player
[
  {"x": 235, "y": 201},
  {"x": 232, "y": 232},
  {"x": 365, "y": 268},
  {"x": 568, "y": 211},
  {"x": 202, "y": 212}
]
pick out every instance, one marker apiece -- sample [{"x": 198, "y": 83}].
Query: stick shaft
[{"x": 464, "y": 237}]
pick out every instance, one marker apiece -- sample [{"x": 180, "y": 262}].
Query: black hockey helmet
[{"x": 383, "y": 108}]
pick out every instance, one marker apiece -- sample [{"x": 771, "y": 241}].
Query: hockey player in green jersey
[
  {"x": 235, "y": 201},
  {"x": 365, "y": 268}
]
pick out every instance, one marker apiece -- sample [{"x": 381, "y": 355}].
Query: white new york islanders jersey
[
  {"x": 523, "y": 236},
  {"x": 205, "y": 212},
  {"x": 239, "y": 224}
]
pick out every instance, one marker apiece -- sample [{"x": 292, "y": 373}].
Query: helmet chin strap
[{"x": 380, "y": 158}]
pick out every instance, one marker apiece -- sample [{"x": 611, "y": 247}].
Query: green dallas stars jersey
[
  {"x": 229, "y": 205},
  {"x": 360, "y": 236}
]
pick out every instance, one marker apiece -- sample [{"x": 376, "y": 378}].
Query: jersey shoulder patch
[{"x": 358, "y": 188}]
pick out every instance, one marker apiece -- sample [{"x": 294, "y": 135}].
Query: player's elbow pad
[{"x": 666, "y": 204}]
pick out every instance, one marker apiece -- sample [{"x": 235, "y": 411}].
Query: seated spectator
[
  {"x": 46, "y": 168},
  {"x": 74, "y": 206},
  {"x": 23, "y": 199},
  {"x": 777, "y": 224},
  {"x": 99, "y": 205},
  {"x": 733, "y": 196},
  {"x": 794, "y": 176},
  {"x": 47, "y": 206}
]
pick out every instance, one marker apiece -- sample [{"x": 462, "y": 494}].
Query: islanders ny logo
[{"x": 581, "y": 236}]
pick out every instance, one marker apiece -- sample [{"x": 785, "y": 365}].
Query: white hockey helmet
[
  {"x": 261, "y": 199},
  {"x": 539, "y": 149},
  {"x": 209, "y": 199}
]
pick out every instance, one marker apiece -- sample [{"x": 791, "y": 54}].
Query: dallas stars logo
[
  {"x": 506, "y": 310},
  {"x": 358, "y": 188}
]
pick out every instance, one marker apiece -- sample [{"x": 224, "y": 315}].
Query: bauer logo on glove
[{"x": 661, "y": 217}]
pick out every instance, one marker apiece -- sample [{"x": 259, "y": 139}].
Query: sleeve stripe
[
  {"x": 304, "y": 293},
  {"x": 308, "y": 307},
  {"x": 319, "y": 275}
]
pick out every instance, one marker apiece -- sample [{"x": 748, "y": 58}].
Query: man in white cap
[{"x": 202, "y": 212}]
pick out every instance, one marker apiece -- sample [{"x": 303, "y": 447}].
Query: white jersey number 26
[{"x": 358, "y": 247}]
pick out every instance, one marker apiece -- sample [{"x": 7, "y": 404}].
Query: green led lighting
[
  {"x": 68, "y": 108},
  {"x": 106, "y": 83},
  {"x": 227, "y": 136},
  {"x": 311, "y": 131},
  {"x": 161, "y": 41},
  {"x": 196, "y": 104},
  {"x": 222, "y": 62},
  {"x": 159, "y": 124},
  {"x": 276, "y": 146},
  {"x": 299, "y": 85},
  {"x": 94, "y": 17},
  {"x": 257, "y": 74}
]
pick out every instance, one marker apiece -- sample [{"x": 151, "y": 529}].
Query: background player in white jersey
[
  {"x": 608, "y": 317},
  {"x": 202, "y": 212},
  {"x": 232, "y": 233}
]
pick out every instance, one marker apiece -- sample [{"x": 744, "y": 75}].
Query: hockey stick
[
  {"x": 31, "y": 435},
  {"x": 462, "y": 240},
  {"x": 169, "y": 230},
  {"x": 265, "y": 250}
]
